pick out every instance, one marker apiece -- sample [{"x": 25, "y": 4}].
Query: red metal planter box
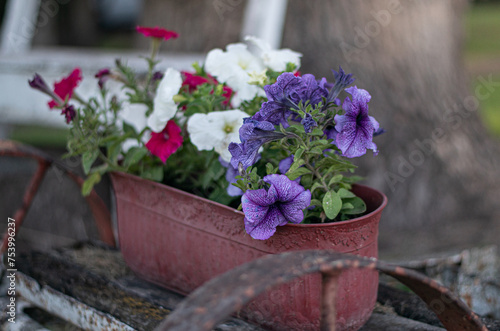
[{"x": 179, "y": 241}]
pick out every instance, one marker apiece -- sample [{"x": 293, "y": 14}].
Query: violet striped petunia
[{"x": 266, "y": 209}]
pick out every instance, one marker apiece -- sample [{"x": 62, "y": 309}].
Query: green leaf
[
  {"x": 240, "y": 184},
  {"x": 298, "y": 153},
  {"x": 269, "y": 169},
  {"x": 346, "y": 205},
  {"x": 296, "y": 164},
  {"x": 317, "y": 150},
  {"x": 335, "y": 179},
  {"x": 114, "y": 150},
  {"x": 315, "y": 186},
  {"x": 353, "y": 179},
  {"x": 297, "y": 173},
  {"x": 297, "y": 128},
  {"x": 127, "y": 128},
  {"x": 134, "y": 155},
  {"x": 100, "y": 169},
  {"x": 317, "y": 132},
  {"x": 343, "y": 193},
  {"x": 154, "y": 173},
  {"x": 358, "y": 204},
  {"x": 89, "y": 183},
  {"x": 332, "y": 204},
  {"x": 316, "y": 202},
  {"x": 322, "y": 142},
  {"x": 88, "y": 158}
]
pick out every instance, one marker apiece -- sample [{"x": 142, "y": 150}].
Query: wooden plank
[{"x": 91, "y": 284}]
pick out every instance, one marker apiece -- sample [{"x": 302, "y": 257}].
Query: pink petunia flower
[
  {"x": 64, "y": 89},
  {"x": 157, "y": 32},
  {"x": 166, "y": 142},
  {"x": 192, "y": 81},
  {"x": 227, "y": 93}
]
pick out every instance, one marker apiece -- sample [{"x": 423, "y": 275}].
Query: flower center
[
  {"x": 359, "y": 118},
  {"x": 228, "y": 128},
  {"x": 243, "y": 65},
  {"x": 166, "y": 136}
]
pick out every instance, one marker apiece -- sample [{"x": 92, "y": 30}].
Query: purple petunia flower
[
  {"x": 231, "y": 174},
  {"x": 378, "y": 132},
  {"x": 253, "y": 134},
  {"x": 287, "y": 93},
  {"x": 267, "y": 209},
  {"x": 285, "y": 164},
  {"x": 355, "y": 128}
]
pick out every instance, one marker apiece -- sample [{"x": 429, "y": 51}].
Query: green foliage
[{"x": 332, "y": 204}]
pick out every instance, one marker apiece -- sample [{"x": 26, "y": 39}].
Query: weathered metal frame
[
  {"x": 223, "y": 296},
  {"x": 99, "y": 210}
]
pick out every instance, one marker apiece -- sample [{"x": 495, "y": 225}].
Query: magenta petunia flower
[
  {"x": 282, "y": 203},
  {"x": 165, "y": 143},
  {"x": 157, "y": 32},
  {"x": 354, "y": 129},
  {"x": 192, "y": 81},
  {"x": 64, "y": 89}
]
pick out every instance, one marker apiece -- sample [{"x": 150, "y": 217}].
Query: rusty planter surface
[{"x": 179, "y": 241}]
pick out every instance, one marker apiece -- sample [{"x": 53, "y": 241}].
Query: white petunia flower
[
  {"x": 133, "y": 114},
  {"x": 164, "y": 107},
  {"x": 233, "y": 67},
  {"x": 216, "y": 130},
  {"x": 275, "y": 59}
]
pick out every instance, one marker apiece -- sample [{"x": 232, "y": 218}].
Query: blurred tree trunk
[{"x": 437, "y": 164}]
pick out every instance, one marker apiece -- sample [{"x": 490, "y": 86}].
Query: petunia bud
[
  {"x": 69, "y": 112},
  {"x": 39, "y": 84}
]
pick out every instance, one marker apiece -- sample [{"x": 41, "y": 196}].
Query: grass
[
  {"x": 490, "y": 109},
  {"x": 40, "y": 136},
  {"x": 483, "y": 30},
  {"x": 482, "y": 49}
]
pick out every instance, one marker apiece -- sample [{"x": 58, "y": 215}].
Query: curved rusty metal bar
[
  {"x": 97, "y": 206},
  {"x": 219, "y": 298}
]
